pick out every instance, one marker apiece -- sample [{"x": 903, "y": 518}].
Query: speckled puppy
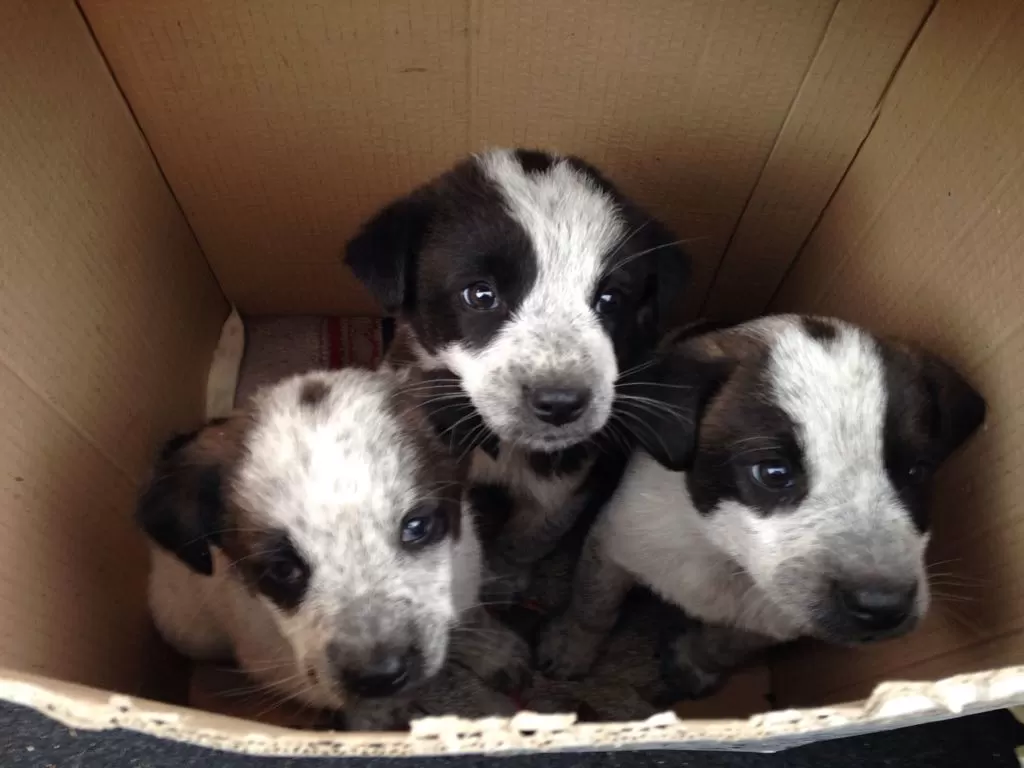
[
  {"x": 782, "y": 492},
  {"x": 319, "y": 540}
]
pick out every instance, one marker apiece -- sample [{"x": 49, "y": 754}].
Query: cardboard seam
[
  {"x": 712, "y": 285},
  {"x": 145, "y": 141},
  {"x": 876, "y": 113},
  {"x": 66, "y": 419},
  {"x": 903, "y": 56},
  {"x": 844, "y": 255}
]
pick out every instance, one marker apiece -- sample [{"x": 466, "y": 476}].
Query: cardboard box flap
[
  {"x": 281, "y": 126},
  {"x": 892, "y": 705},
  {"x": 829, "y": 118},
  {"x": 108, "y": 315}
]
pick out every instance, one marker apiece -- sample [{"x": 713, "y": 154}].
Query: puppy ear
[
  {"x": 673, "y": 273},
  {"x": 181, "y": 508},
  {"x": 957, "y": 409},
  {"x": 663, "y": 401},
  {"x": 383, "y": 253}
]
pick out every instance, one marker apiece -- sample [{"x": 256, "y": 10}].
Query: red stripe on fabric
[{"x": 334, "y": 360}]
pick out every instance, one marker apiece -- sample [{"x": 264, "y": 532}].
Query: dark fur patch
[
  {"x": 176, "y": 443},
  {"x": 313, "y": 392},
  {"x": 727, "y": 451},
  {"x": 930, "y": 412},
  {"x": 473, "y": 239},
  {"x": 421, "y": 252},
  {"x": 270, "y": 565},
  {"x": 492, "y": 506},
  {"x": 740, "y": 427},
  {"x": 566, "y": 462},
  {"x": 448, "y": 408},
  {"x": 183, "y": 508},
  {"x": 716, "y": 397},
  {"x": 534, "y": 161},
  {"x": 819, "y": 329}
]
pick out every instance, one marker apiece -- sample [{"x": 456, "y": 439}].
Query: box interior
[{"x": 162, "y": 161}]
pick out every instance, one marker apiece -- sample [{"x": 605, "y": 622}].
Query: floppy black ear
[
  {"x": 383, "y": 253},
  {"x": 662, "y": 404},
  {"x": 181, "y": 507},
  {"x": 957, "y": 409},
  {"x": 672, "y": 272}
]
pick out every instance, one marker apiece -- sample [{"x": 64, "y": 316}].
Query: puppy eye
[
  {"x": 424, "y": 525},
  {"x": 773, "y": 474},
  {"x": 481, "y": 297},
  {"x": 607, "y": 302},
  {"x": 285, "y": 571}
]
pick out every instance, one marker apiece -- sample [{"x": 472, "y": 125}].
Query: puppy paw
[
  {"x": 500, "y": 658},
  {"x": 684, "y": 675},
  {"x": 566, "y": 651},
  {"x": 379, "y": 715}
]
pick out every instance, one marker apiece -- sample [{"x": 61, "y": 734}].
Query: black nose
[
  {"x": 558, "y": 405},
  {"x": 386, "y": 675},
  {"x": 877, "y": 609}
]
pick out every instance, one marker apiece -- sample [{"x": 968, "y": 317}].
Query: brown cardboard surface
[
  {"x": 831, "y": 115},
  {"x": 108, "y": 315},
  {"x": 281, "y": 125},
  {"x": 924, "y": 239}
]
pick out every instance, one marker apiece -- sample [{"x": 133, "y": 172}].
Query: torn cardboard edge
[{"x": 892, "y": 705}]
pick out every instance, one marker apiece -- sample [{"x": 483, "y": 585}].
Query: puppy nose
[
  {"x": 385, "y": 675},
  {"x": 558, "y": 405},
  {"x": 878, "y": 609}
]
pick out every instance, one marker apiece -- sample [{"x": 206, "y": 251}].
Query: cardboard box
[{"x": 160, "y": 160}]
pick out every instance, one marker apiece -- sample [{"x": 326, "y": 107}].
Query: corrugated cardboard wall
[
  {"x": 108, "y": 316},
  {"x": 925, "y": 238},
  {"x": 281, "y": 124}
]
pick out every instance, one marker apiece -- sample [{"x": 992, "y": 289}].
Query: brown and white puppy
[
  {"x": 319, "y": 539},
  {"x": 782, "y": 493},
  {"x": 525, "y": 283}
]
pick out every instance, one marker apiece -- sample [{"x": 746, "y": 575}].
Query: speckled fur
[
  {"x": 756, "y": 576},
  {"x": 336, "y": 473}
]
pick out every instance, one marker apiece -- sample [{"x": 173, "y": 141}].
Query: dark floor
[{"x": 28, "y": 740}]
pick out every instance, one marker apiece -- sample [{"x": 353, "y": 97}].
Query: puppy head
[
  {"x": 340, "y": 513},
  {"x": 810, "y": 458},
  {"x": 532, "y": 279}
]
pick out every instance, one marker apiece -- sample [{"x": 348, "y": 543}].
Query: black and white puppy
[
  {"x": 319, "y": 539},
  {"x": 782, "y": 493},
  {"x": 525, "y": 283}
]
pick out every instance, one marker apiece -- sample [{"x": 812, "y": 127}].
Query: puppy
[
  {"x": 525, "y": 284},
  {"x": 320, "y": 541},
  {"x": 781, "y": 493}
]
